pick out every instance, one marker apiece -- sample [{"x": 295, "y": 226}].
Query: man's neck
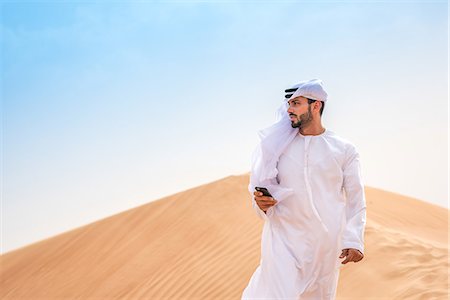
[{"x": 313, "y": 129}]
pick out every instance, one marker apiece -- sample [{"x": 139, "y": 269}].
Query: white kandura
[{"x": 321, "y": 210}]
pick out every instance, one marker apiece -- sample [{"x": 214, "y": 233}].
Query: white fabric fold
[{"x": 263, "y": 173}]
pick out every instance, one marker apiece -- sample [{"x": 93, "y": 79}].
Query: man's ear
[{"x": 317, "y": 105}]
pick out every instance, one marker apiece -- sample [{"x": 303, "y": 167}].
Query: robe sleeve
[
  {"x": 353, "y": 236},
  {"x": 278, "y": 193}
]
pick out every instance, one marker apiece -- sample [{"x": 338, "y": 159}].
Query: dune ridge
[{"x": 204, "y": 243}]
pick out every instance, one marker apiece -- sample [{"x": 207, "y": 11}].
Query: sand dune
[{"x": 204, "y": 243}]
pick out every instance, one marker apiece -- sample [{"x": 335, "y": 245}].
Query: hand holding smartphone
[{"x": 264, "y": 204}]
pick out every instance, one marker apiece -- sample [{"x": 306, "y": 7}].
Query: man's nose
[{"x": 289, "y": 110}]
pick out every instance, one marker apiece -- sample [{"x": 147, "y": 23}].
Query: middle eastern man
[{"x": 311, "y": 197}]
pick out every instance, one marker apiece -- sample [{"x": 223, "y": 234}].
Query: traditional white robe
[{"x": 321, "y": 210}]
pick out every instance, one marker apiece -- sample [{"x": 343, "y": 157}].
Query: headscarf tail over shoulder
[{"x": 274, "y": 139}]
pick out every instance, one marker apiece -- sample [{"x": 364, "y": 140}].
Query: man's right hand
[{"x": 264, "y": 202}]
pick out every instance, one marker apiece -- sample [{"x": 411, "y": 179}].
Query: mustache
[{"x": 292, "y": 115}]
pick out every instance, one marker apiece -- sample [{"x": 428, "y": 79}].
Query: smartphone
[{"x": 264, "y": 191}]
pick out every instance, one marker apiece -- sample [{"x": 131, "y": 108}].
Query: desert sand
[{"x": 204, "y": 243}]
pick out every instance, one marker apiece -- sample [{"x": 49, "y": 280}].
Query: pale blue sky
[{"x": 107, "y": 106}]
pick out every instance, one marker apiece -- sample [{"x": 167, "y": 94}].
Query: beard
[{"x": 305, "y": 119}]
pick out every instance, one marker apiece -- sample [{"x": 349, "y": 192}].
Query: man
[{"x": 317, "y": 213}]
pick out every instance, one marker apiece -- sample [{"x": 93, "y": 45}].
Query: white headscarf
[{"x": 311, "y": 89}]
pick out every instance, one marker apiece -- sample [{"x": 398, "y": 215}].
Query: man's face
[{"x": 300, "y": 112}]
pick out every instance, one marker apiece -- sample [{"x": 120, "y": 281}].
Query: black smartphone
[{"x": 264, "y": 191}]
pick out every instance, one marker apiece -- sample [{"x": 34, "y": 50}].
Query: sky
[{"x": 106, "y": 106}]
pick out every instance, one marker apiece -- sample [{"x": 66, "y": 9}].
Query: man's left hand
[{"x": 351, "y": 254}]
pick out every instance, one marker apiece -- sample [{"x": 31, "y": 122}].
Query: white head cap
[{"x": 311, "y": 89}]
